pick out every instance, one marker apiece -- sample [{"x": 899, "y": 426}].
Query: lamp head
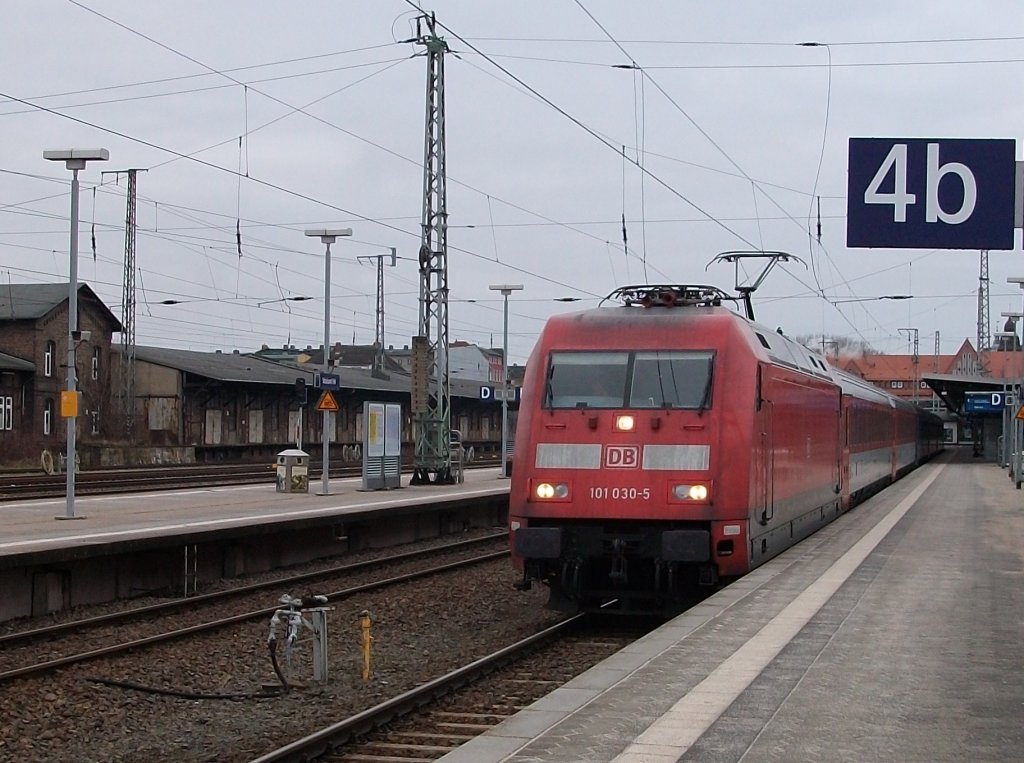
[
  {"x": 75, "y": 158},
  {"x": 328, "y": 235},
  {"x": 506, "y": 288}
]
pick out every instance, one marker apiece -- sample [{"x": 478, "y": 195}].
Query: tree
[{"x": 835, "y": 346}]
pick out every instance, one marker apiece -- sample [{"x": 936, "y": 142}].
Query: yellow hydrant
[{"x": 365, "y": 621}]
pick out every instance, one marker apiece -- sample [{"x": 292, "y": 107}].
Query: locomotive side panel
[{"x": 800, "y": 431}]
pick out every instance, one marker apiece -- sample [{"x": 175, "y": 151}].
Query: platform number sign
[
  {"x": 987, "y": 402},
  {"x": 941, "y": 193}
]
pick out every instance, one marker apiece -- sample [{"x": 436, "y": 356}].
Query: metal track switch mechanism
[{"x": 291, "y": 617}]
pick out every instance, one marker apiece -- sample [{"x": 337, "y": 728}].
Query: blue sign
[
  {"x": 931, "y": 193},
  {"x": 515, "y": 394},
  {"x": 330, "y": 381},
  {"x": 987, "y": 402}
]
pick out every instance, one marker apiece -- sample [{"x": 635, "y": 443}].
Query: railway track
[
  {"x": 433, "y": 719},
  {"x": 28, "y": 486},
  {"x": 61, "y": 645}
]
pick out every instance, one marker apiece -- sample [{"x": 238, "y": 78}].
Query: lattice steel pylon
[
  {"x": 126, "y": 369},
  {"x": 378, "y": 338},
  {"x": 984, "y": 336},
  {"x": 430, "y": 385},
  {"x": 915, "y": 359}
]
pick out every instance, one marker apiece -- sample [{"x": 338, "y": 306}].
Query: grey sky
[{"x": 730, "y": 117}]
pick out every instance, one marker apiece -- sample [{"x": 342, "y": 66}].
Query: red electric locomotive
[{"x": 669, "y": 443}]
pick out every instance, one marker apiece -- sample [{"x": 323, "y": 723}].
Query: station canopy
[{"x": 952, "y": 389}]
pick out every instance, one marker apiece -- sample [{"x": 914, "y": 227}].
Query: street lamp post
[
  {"x": 74, "y": 159},
  {"x": 505, "y": 289},
  {"x": 1018, "y": 461},
  {"x": 1007, "y": 340},
  {"x": 327, "y": 236}
]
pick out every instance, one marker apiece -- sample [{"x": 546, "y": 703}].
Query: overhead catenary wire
[
  {"x": 600, "y": 138},
  {"x": 282, "y": 189},
  {"x": 211, "y": 69},
  {"x": 710, "y": 139},
  {"x": 199, "y": 160},
  {"x": 502, "y": 217},
  {"x": 753, "y": 43},
  {"x": 231, "y": 70}
]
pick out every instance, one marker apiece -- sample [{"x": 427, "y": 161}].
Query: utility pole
[
  {"x": 432, "y": 460},
  {"x": 378, "y": 356},
  {"x": 914, "y": 359},
  {"x": 984, "y": 342},
  {"x": 126, "y": 369}
]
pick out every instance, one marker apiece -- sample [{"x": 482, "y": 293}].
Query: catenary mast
[
  {"x": 126, "y": 369},
  {"x": 430, "y": 389}
]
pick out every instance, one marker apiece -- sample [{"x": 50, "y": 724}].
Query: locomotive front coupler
[{"x": 619, "y": 564}]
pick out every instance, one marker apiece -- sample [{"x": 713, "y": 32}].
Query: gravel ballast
[{"x": 421, "y": 630}]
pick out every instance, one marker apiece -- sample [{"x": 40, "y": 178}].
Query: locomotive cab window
[
  {"x": 587, "y": 379},
  {"x": 642, "y": 379},
  {"x": 671, "y": 380}
]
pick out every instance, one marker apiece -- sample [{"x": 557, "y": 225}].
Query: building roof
[
  {"x": 885, "y": 367},
  {"x": 31, "y": 301},
  {"x": 880, "y": 368},
  {"x": 347, "y": 355},
  {"x": 224, "y": 366},
  {"x": 1007, "y": 364},
  {"x": 249, "y": 369},
  {"x": 12, "y": 363}
]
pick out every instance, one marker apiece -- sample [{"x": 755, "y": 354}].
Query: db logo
[{"x": 622, "y": 456}]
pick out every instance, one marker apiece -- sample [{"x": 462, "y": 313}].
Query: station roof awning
[{"x": 953, "y": 388}]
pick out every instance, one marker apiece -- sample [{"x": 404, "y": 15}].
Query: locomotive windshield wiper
[{"x": 707, "y": 392}]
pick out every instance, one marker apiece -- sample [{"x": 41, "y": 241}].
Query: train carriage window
[
  {"x": 671, "y": 380},
  {"x": 587, "y": 380}
]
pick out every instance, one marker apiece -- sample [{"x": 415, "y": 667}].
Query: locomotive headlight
[
  {"x": 625, "y": 423},
  {"x": 695, "y": 492},
  {"x": 547, "y": 491}
]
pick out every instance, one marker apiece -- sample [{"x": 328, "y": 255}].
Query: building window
[
  {"x": 96, "y": 363},
  {"x": 6, "y": 413},
  {"x": 48, "y": 355},
  {"x": 924, "y": 385},
  {"x": 48, "y": 416}
]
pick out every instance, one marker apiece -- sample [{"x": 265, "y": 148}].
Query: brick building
[
  {"x": 903, "y": 376},
  {"x": 33, "y": 369}
]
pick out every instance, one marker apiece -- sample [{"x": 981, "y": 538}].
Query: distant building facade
[
  {"x": 904, "y": 375},
  {"x": 33, "y": 370}
]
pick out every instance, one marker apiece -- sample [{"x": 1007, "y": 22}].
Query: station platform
[
  {"x": 126, "y": 545},
  {"x": 896, "y": 633},
  {"x": 102, "y": 520}
]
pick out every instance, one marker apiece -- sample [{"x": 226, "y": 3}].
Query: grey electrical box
[{"x": 293, "y": 471}]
